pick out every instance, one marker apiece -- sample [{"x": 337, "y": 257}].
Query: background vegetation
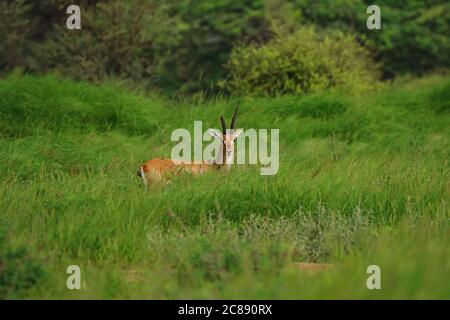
[
  {"x": 281, "y": 66},
  {"x": 364, "y": 172},
  {"x": 183, "y": 46}
]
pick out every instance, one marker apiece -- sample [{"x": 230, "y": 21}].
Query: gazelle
[{"x": 158, "y": 169}]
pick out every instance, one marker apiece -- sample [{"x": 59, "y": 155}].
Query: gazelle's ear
[
  {"x": 237, "y": 132},
  {"x": 215, "y": 133}
]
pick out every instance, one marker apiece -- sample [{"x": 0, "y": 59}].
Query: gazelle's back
[{"x": 158, "y": 169}]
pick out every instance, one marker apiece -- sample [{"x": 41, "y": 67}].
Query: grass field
[{"x": 362, "y": 181}]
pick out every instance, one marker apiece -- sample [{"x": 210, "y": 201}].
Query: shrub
[
  {"x": 301, "y": 62},
  {"x": 18, "y": 270}
]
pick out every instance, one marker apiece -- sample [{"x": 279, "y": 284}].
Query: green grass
[{"x": 362, "y": 181}]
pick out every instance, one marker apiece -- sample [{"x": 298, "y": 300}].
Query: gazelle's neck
[
  {"x": 223, "y": 159},
  {"x": 228, "y": 159}
]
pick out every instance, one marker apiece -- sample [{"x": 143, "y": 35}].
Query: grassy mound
[{"x": 29, "y": 104}]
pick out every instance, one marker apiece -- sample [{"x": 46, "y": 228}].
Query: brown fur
[{"x": 158, "y": 169}]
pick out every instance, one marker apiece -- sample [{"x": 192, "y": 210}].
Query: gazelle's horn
[
  {"x": 233, "y": 120},
  {"x": 224, "y": 126}
]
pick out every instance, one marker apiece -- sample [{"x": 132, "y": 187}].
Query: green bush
[
  {"x": 18, "y": 270},
  {"x": 301, "y": 62}
]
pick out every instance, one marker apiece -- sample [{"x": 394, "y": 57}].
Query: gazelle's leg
[{"x": 143, "y": 177}]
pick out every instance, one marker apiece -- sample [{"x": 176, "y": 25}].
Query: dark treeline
[{"x": 185, "y": 45}]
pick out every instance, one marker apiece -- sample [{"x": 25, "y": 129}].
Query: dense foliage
[
  {"x": 302, "y": 62},
  {"x": 184, "y": 45},
  {"x": 19, "y": 270},
  {"x": 14, "y": 28},
  {"x": 414, "y": 36}
]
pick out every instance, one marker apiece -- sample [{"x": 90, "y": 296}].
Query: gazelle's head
[{"x": 228, "y": 137}]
